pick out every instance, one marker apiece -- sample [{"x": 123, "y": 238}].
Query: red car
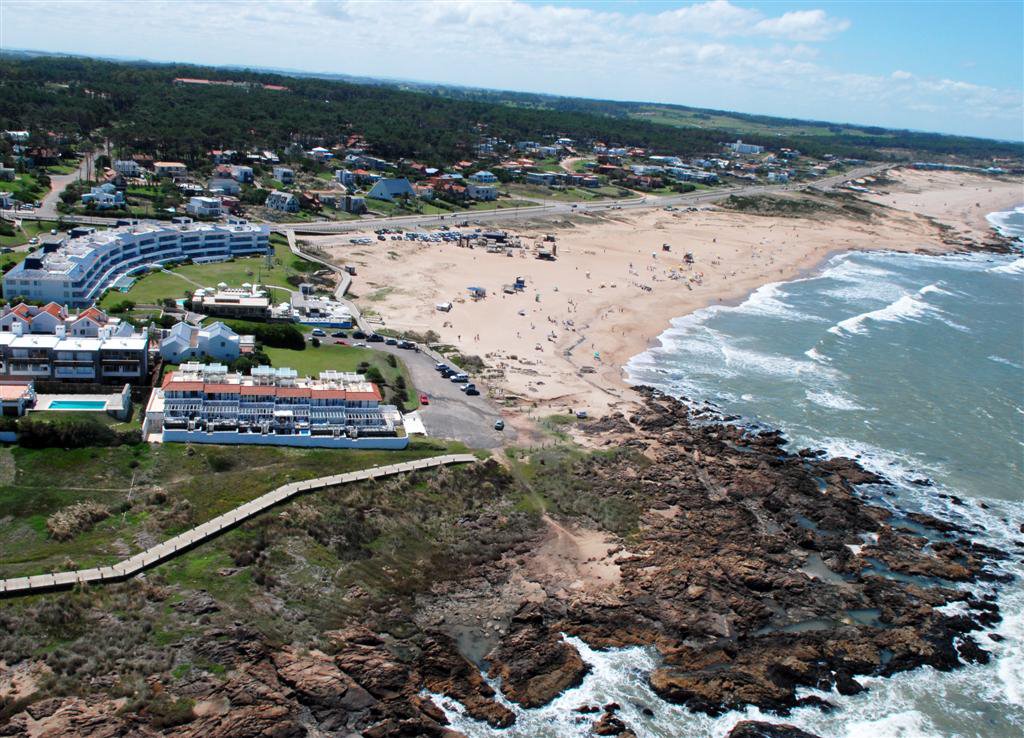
[{"x": 424, "y": 400}]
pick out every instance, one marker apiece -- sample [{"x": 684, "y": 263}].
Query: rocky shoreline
[{"x": 754, "y": 572}]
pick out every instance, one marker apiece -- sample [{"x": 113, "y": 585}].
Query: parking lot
[{"x": 451, "y": 414}]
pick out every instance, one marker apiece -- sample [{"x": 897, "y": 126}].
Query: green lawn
[
  {"x": 29, "y": 229},
  {"x": 156, "y": 286},
  {"x": 312, "y": 361},
  {"x": 25, "y": 187},
  {"x": 176, "y": 486},
  {"x": 62, "y": 168}
]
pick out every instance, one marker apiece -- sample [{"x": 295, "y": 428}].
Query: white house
[
  {"x": 284, "y": 175},
  {"x": 128, "y": 168},
  {"x": 283, "y": 201},
  {"x": 481, "y": 191},
  {"x": 391, "y": 189},
  {"x": 204, "y": 207},
  {"x": 741, "y": 148},
  {"x": 104, "y": 197},
  {"x": 241, "y": 173},
  {"x": 225, "y": 185},
  {"x": 216, "y": 341}
]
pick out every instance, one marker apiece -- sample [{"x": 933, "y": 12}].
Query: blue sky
[{"x": 940, "y": 66}]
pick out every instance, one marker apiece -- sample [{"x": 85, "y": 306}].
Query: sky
[{"x": 951, "y": 67}]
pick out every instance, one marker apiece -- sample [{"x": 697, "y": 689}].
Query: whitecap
[
  {"x": 832, "y": 400},
  {"x": 1014, "y": 267}
]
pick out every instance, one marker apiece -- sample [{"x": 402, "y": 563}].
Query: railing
[{"x": 211, "y": 528}]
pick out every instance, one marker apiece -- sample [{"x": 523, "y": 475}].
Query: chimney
[
  {"x": 18, "y": 328},
  {"x": 60, "y": 330}
]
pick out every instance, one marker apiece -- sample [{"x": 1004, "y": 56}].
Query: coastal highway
[{"x": 546, "y": 210}]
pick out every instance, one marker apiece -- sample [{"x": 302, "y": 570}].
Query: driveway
[{"x": 451, "y": 414}]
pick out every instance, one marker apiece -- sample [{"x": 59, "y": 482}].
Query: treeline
[
  {"x": 842, "y": 139},
  {"x": 138, "y": 108}
]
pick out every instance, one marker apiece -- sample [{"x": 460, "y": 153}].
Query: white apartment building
[
  {"x": 106, "y": 358},
  {"x": 741, "y": 148},
  {"x": 204, "y": 403},
  {"x": 76, "y": 271}
]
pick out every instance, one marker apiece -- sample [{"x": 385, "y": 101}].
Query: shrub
[{"x": 277, "y": 335}]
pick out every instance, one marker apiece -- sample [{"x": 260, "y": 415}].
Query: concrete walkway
[{"x": 183, "y": 542}]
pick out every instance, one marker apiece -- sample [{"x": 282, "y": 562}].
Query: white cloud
[{"x": 900, "y": 74}]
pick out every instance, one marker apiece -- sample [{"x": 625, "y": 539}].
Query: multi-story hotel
[
  {"x": 204, "y": 403},
  {"x": 76, "y": 271}
]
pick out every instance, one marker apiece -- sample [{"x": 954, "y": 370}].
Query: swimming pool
[{"x": 77, "y": 405}]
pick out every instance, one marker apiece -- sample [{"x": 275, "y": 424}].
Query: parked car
[
  {"x": 391, "y": 341},
  {"x": 471, "y": 390},
  {"x": 319, "y": 333},
  {"x": 439, "y": 366},
  {"x": 406, "y": 345},
  {"x": 339, "y": 334},
  {"x": 581, "y": 414},
  {"x": 358, "y": 334},
  {"x": 424, "y": 400},
  {"x": 499, "y": 424},
  {"x": 359, "y": 345},
  {"x": 467, "y": 387},
  {"x": 375, "y": 338},
  {"x": 460, "y": 378}
]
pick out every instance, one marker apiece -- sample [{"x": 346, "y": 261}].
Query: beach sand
[{"x": 562, "y": 342}]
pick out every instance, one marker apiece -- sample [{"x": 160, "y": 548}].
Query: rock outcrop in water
[{"x": 753, "y": 571}]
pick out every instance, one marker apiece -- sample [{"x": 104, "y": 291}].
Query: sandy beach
[{"x": 561, "y": 343}]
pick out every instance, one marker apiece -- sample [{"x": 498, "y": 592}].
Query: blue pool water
[{"x": 77, "y": 405}]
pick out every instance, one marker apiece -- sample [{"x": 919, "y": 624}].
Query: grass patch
[{"x": 312, "y": 361}]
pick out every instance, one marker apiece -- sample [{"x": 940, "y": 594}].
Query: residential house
[
  {"x": 172, "y": 169},
  {"x": 284, "y": 175},
  {"x": 241, "y": 173},
  {"x": 223, "y": 185},
  {"x": 16, "y": 397},
  {"x": 391, "y": 189},
  {"x": 216, "y": 341},
  {"x": 7, "y": 174},
  {"x": 204, "y": 207},
  {"x": 285, "y": 202},
  {"x": 483, "y": 177},
  {"x": 478, "y": 191},
  {"x": 424, "y": 191},
  {"x": 104, "y": 197},
  {"x": 232, "y": 302},
  {"x": 344, "y": 177},
  {"x": 128, "y": 168},
  {"x": 354, "y": 205}
]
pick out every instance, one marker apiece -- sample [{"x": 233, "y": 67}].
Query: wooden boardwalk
[{"x": 184, "y": 541}]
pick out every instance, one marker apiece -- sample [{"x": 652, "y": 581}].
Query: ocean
[{"x": 912, "y": 364}]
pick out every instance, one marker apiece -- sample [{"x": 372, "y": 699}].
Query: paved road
[
  {"x": 451, "y": 414},
  {"x": 211, "y": 528},
  {"x": 58, "y": 183}
]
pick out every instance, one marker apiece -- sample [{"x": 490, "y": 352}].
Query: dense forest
[{"x": 138, "y": 108}]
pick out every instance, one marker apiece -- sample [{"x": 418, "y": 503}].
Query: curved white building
[{"x": 76, "y": 271}]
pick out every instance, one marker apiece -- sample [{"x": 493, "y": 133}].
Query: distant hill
[{"x": 137, "y": 106}]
